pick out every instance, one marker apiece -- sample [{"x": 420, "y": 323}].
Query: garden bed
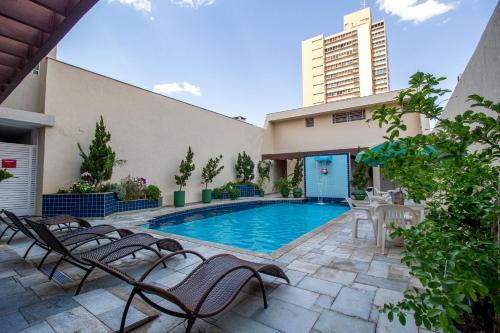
[{"x": 91, "y": 204}]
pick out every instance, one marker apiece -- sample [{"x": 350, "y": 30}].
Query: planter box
[
  {"x": 245, "y": 191},
  {"x": 91, "y": 204}
]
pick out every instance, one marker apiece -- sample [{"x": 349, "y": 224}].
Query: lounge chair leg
[
  {"x": 12, "y": 236},
  {"x": 125, "y": 311},
  {"x": 190, "y": 324},
  {"x": 83, "y": 280},
  {"x": 4, "y": 231},
  {"x": 55, "y": 267},
  {"x": 29, "y": 249},
  {"x": 43, "y": 259},
  {"x": 263, "y": 289}
]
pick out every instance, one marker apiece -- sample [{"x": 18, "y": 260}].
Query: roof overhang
[
  {"x": 24, "y": 119},
  {"x": 338, "y": 106},
  {"x": 29, "y": 30},
  {"x": 302, "y": 154}
]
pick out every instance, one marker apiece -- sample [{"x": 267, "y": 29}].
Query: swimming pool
[{"x": 261, "y": 227}]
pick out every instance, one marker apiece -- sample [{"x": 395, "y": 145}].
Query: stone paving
[{"x": 337, "y": 285}]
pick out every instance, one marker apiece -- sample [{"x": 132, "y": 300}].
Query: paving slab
[
  {"x": 303, "y": 266},
  {"x": 294, "y": 295},
  {"x": 397, "y": 285},
  {"x": 37, "y": 312},
  {"x": 335, "y": 275},
  {"x": 295, "y": 276},
  {"x": 384, "y": 296},
  {"x": 77, "y": 320},
  {"x": 12, "y": 322},
  {"x": 234, "y": 323},
  {"x": 334, "y": 322},
  {"x": 286, "y": 317},
  {"x": 99, "y": 301},
  {"x": 43, "y": 327},
  {"x": 320, "y": 286},
  {"x": 112, "y": 318},
  {"x": 386, "y": 326},
  {"x": 354, "y": 302}
]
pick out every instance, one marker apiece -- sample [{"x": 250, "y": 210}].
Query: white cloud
[
  {"x": 414, "y": 10},
  {"x": 193, "y": 3},
  {"x": 139, "y": 5},
  {"x": 173, "y": 88}
]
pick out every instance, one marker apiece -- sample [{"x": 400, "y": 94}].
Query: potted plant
[
  {"x": 283, "y": 185},
  {"x": 263, "y": 170},
  {"x": 210, "y": 171},
  {"x": 218, "y": 192},
  {"x": 185, "y": 169},
  {"x": 5, "y": 174},
  {"x": 359, "y": 181},
  {"x": 297, "y": 176}
]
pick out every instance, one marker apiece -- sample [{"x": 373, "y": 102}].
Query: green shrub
[
  {"x": 282, "y": 184},
  {"x": 244, "y": 168},
  {"x": 185, "y": 169},
  {"x": 211, "y": 170},
  {"x": 133, "y": 187},
  {"x": 152, "y": 192},
  {"x": 82, "y": 187},
  {"x": 263, "y": 171},
  {"x": 218, "y": 192},
  {"x": 454, "y": 252},
  {"x": 101, "y": 159},
  {"x": 232, "y": 191}
]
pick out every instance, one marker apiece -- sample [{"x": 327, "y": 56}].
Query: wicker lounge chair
[
  {"x": 106, "y": 253},
  {"x": 10, "y": 225},
  {"x": 205, "y": 292},
  {"x": 75, "y": 237}
]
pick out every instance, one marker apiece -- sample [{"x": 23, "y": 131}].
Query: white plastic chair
[
  {"x": 359, "y": 212},
  {"x": 397, "y": 215},
  {"x": 377, "y": 199}
]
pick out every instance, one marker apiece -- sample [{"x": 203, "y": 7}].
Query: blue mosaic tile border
[
  {"x": 245, "y": 191},
  {"x": 91, "y": 204}
]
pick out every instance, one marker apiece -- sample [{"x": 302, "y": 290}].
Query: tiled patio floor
[{"x": 337, "y": 285}]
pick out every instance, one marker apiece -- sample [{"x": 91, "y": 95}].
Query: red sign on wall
[{"x": 9, "y": 164}]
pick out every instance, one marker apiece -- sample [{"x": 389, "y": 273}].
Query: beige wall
[
  {"x": 28, "y": 95},
  {"x": 292, "y": 135},
  {"x": 150, "y": 131}
]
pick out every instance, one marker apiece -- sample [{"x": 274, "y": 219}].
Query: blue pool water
[{"x": 256, "y": 227}]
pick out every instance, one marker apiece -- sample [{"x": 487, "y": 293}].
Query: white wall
[{"x": 482, "y": 74}]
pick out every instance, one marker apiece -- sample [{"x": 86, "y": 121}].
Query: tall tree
[{"x": 100, "y": 160}]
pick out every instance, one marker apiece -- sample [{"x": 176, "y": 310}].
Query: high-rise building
[{"x": 348, "y": 64}]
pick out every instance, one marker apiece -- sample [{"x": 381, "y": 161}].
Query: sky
[{"x": 243, "y": 57}]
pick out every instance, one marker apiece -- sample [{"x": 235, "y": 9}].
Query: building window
[
  {"x": 343, "y": 117},
  {"x": 310, "y": 122},
  {"x": 36, "y": 70}
]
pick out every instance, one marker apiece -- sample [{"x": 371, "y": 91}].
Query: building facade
[{"x": 352, "y": 63}]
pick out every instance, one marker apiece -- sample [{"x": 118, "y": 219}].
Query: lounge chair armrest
[
  {"x": 168, "y": 256},
  {"x": 124, "y": 232}
]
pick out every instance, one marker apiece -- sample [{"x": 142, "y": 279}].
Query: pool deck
[{"x": 337, "y": 285}]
